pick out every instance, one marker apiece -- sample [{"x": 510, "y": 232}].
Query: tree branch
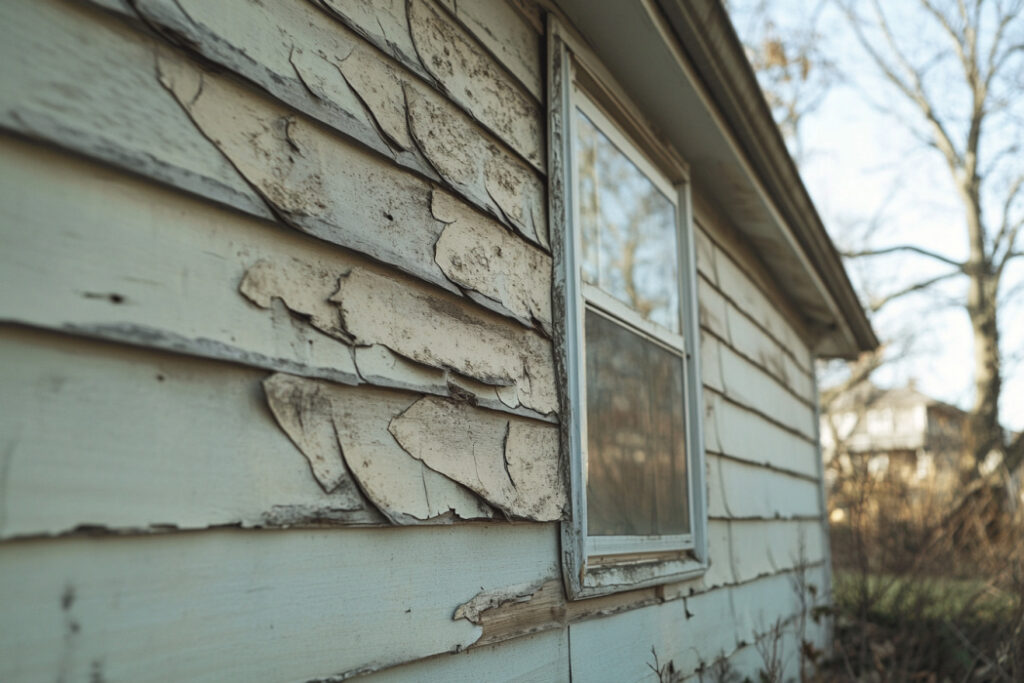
[
  {"x": 912, "y": 89},
  {"x": 905, "y": 247},
  {"x": 878, "y": 304}
]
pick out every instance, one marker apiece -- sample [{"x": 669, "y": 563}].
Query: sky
[{"x": 864, "y": 168}]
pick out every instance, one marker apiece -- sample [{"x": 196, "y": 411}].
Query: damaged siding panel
[
  {"x": 418, "y": 459},
  {"x": 101, "y": 436},
  {"x": 295, "y": 51},
  {"x": 263, "y": 605},
  {"x": 344, "y": 433},
  {"x": 508, "y": 35},
  {"x": 77, "y": 78},
  {"x": 472, "y": 78},
  {"x": 191, "y": 277},
  {"x": 94, "y": 88}
]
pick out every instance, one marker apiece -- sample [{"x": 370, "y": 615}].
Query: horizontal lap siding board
[
  {"x": 158, "y": 268},
  {"x": 738, "y": 432},
  {"x": 94, "y": 85},
  {"x": 687, "y": 632},
  {"x": 540, "y": 657},
  {"x": 103, "y": 437},
  {"x": 252, "y": 605},
  {"x": 740, "y": 490}
]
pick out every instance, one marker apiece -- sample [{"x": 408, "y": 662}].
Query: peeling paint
[
  {"x": 379, "y": 86},
  {"x": 513, "y": 464},
  {"x": 435, "y": 330},
  {"x": 292, "y": 405},
  {"x": 474, "y": 166},
  {"x": 472, "y": 78},
  {"x": 489, "y": 600},
  {"x": 276, "y": 154},
  {"x": 479, "y": 254},
  {"x": 303, "y": 288},
  {"x": 382, "y": 22},
  {"x": 402, "y": 488}
]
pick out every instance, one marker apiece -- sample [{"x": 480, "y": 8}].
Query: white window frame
[{"x": 594, "y": 565}]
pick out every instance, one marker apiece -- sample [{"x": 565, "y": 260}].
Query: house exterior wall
[{"x": 277, "y": 362}]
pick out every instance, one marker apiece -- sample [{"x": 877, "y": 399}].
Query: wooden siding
[{"x": 259, "y": 258}]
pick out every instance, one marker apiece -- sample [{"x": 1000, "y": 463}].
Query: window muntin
[{"x": 634, "y": 446}]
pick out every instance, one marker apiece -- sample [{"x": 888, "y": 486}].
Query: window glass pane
[
  {"x": 636, "y": 434},
  {"x": 628, "y": 228}
]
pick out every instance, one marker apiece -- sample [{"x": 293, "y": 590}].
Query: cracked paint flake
[
  {"x": 472, "y": 78},
  {"x": 511, "y": 463},
  {"x": 302, "y": 287},
  {"x": 478, "y": 254},
  {"x": 433, "y": 329},
  {"x": 278, "y": 155},
  {"x": 314, "y": 181},
  {"x": 380, "y": 87},
  {"x": 426, "y": 347},
  {"x": 401, "y": 487},
  {"x": 382, "y": 22},
  {"x": 473, "y": 165},
  {"x": 292, "y": 405}
]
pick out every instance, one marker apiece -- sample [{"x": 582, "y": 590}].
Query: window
[{"x": 623, "y": 244}]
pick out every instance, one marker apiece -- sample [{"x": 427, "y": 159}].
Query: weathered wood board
[
  {"x": 257, "y": 606},
  {"x": 535, "y": 658},
  {"x": 68, "y": 267}
]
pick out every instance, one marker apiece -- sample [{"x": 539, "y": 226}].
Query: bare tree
[
  {"x": 793, "y": 69},
  {"x": 959, "y": 98}
]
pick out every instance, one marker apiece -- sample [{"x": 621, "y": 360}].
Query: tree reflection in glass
[
  {"x": 628, "y": 228},
  {"x": 636, "y": 434}
]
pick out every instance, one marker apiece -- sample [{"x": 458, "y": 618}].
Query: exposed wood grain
[
  {"x": 158, "y": 269},
  {"x": 97, "y": 435},
  {"x": 267, "y": 606},
  {"x": 400, "y": 486},
  {"x": 510, "y": 463}
]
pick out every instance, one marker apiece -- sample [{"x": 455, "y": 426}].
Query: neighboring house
[
  {"x": 417, "y": 340},
  {"x": 901, "y": 436}
]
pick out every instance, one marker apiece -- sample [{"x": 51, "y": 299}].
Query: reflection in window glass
[
  {"x": 636, "y": 434},
  {"x": 628, "y": 228}
]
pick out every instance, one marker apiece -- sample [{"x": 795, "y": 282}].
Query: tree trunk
[{"x": 984, "y": 432}]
